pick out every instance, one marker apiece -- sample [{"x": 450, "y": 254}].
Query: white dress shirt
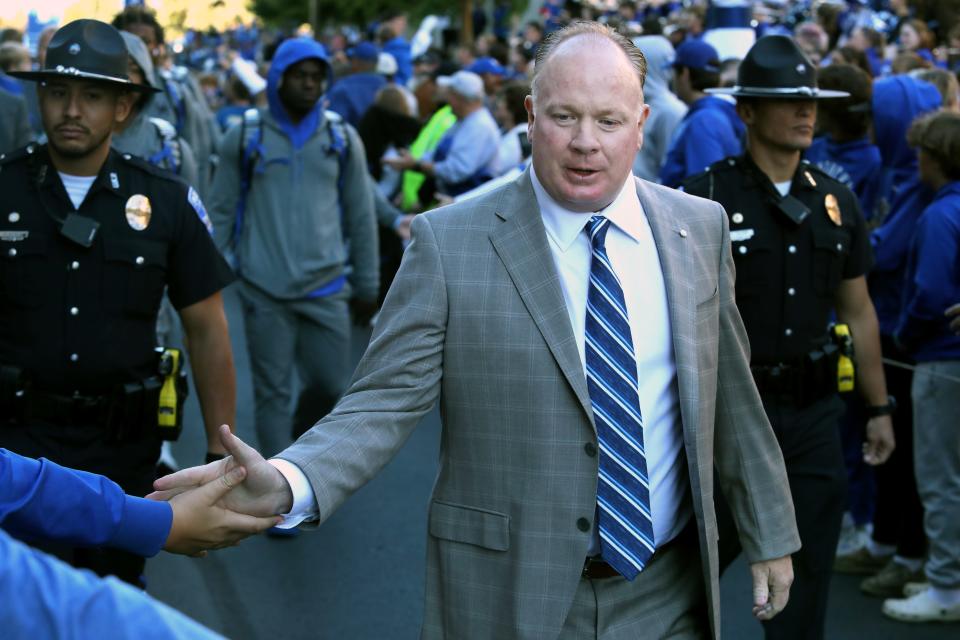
[
  {"x": 634, "y": 257},
  {"x": 635, "y": 260}
]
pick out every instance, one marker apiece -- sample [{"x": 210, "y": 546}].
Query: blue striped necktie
[{"x": 623, "y": 489}]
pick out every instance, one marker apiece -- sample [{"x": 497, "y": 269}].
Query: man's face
[
  {"x": 787, "y": 125},
  {"x": 302, "y": 85},
  {"x": 586, "y": 123},
  {"x": 149, "y": 36},
  {"x": 78, "y": 115}
]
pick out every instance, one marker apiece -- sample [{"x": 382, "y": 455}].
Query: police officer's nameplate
[
  {"x": 138, "y": 212},
  {"x": 833, "y": 209}
]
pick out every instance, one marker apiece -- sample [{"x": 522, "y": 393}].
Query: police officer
[
  {"x": 801, "y": 251},
  {"x": 89, "y": 238}
]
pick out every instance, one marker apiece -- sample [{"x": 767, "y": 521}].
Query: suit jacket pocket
[{"x": 460, "y": 523}]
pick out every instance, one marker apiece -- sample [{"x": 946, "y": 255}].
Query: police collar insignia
[
  {"x": 138, "y": 211},
  {"x": 833, "y": 209}
]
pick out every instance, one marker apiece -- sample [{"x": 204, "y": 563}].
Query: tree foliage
[{"x": 287, "y": 13}]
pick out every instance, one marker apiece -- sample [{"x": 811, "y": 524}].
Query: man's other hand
[
  {"x": 771, "y": 586},
  {"x": 954, "y": 312},
  {"x": 264, "y": 491},
  {"x": 201, "y": 523}
]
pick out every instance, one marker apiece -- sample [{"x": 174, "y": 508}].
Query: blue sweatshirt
[
  {"x": 40, "y": 500},
  {"x": 856, "y": 164},
  {"x": 933, "y": 280},
  {"x": 352, "y": 95},
  {"x": 710, "y": 131}
]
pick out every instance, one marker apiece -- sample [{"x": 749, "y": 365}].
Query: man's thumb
[{"x": 761, "y": 588}]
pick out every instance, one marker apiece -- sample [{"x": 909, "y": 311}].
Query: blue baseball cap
[
  {"x": 697, "y": 54},
  {"x": 487, "y": 65},
  {"x": 364, "y": 51}
]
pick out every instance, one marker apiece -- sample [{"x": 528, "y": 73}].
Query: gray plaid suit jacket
[{"x": 476, "y": 318}]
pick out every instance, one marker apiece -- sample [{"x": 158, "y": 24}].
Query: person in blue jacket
[
  {"x": 893, "y": 554},
  {"x": 932, "y": 284},
  {"x": 711, "y": 130},
  {"x": 353, "y": 94},
  {"x": 41, "y": 596},
  {"x": 391, "y": 35},
  {"x": 842, "y": 147}
]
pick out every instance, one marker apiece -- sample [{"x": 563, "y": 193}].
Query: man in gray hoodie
[
  {"x": 666, "y": 109},
  {"x": 292, "y": 201}
]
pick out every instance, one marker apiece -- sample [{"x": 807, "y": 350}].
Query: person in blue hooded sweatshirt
[
  {"x": 932, "y": 284},
  {"x": 353, "y": 94},
  {"x": 711, "y": 130},
  {"x": 843, "y": 148},
  {"x": 893, "y": 554},
  {"x": 292, "y": 202}
]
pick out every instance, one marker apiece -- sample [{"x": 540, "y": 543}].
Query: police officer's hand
[
  {"x": 201, "y": 523},
  {"x": 362, "y": 311},
  {"x": 264, "y": 492},
  {"x": 771, "y": 586},
  {"x": 954, "y": 312},
  {"x": 880, "y": 442}
]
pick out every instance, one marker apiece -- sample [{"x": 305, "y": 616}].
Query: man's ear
[
  {"x": 746, "y": 112},
  {"x": 124, "y": 105},
  {"x": 528, "y": 105}
]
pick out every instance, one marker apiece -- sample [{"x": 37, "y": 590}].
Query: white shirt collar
[{"x": 563, "y": 226}]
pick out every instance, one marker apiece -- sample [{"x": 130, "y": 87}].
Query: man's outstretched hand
[
  {"x": 771, "y": 586},
  {"x": 201, "y": 523},
  {"x": 264, "y": 491}
]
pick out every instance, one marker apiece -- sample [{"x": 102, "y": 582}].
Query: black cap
[
  {"x": 775, "y": 67},
  {"x": 86, "y": 50}
]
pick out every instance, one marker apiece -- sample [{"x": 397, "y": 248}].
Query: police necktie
[{"x": 623, "y": 491}]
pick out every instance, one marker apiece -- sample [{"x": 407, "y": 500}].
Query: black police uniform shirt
[
  {"x": 786, "y": 273},
  {"x": 84, "y": 319}
]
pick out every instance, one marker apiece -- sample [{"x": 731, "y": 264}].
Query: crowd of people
[{"x": 351, "y": 177}]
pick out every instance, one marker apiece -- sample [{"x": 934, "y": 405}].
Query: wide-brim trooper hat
[
  {"x": 86, "y": 50},
  {"x": 775, "y": 67}
]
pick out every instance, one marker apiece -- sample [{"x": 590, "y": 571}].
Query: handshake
[{"x": 221, "y": 503}]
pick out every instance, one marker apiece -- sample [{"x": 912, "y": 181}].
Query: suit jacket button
[
  {"x": 591, "y": 449},
  {"x": 583, "y": 524}
]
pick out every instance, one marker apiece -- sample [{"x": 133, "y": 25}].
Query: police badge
[{"x": 138, "y": 212}]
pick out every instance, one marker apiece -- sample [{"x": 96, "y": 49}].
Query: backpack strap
[
  {"x": 251, "y": 150},
  {"x": 340, "y": 145}
]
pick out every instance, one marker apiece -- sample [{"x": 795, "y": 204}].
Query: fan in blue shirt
[
  {"x": 711, "y": 130},
  {"x": 43, "y": 597}
]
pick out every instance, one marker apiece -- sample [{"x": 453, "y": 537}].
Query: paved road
[{"x": 360, "y": 576}]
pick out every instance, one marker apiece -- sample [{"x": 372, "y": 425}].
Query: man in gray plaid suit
[{"x": 491, "y": 315}]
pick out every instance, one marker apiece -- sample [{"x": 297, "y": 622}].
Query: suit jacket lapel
[
  {"x": 673, "y": 249},
  {"x": 521, "y": 243}
]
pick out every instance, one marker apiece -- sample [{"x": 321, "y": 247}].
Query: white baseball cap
[
  {"x": 386, "y": 64},
  {"x": 465, "y": 83}
]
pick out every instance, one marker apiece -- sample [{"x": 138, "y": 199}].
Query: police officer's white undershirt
[
  {"x": 77, "y": 187},
  {"x": 783, "y": 187}
]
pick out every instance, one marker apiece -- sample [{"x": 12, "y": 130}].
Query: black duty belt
[{"x": 69, "y": 409}]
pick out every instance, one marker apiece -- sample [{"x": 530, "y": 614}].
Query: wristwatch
[{"x": 878, "y": 410}]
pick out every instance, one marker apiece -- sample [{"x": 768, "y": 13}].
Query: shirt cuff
[
  {"x": 144, "y": 526},
  {"x": 304, "y": 506}
]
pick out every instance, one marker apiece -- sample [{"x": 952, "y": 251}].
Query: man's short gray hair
[{"x": 593, "y": 30}]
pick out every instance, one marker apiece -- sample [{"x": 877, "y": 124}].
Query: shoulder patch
[{"x": 194, "y": 199}]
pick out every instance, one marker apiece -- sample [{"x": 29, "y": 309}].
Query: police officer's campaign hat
[
  {"x": 86, "y": 50},
  {"x": 775, "y": 67}
]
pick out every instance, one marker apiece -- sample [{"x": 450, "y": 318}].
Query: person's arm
[
  {"x": 854, "y": 308},
  {"x": 747, "y": 456},
  {"x": 226, "y": 189},
  {"x": 954, "y": 312},
  {"x": 211, "y": 358},
  {"x": 43, "y": 597},
  {"x": 40, "y": 499}
]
